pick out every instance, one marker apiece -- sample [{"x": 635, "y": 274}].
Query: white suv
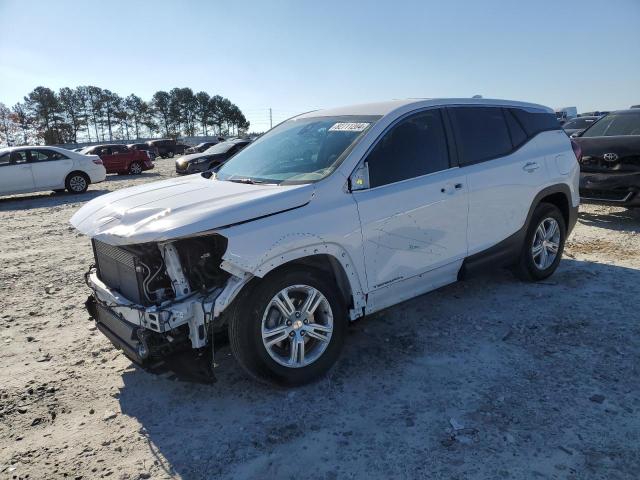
[{"x": 330, "y": 216}]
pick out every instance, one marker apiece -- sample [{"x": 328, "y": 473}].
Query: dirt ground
[{"x": 488, "y": 378}]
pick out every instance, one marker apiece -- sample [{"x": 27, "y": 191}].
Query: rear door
[
  {"x": 122, "y": 157},
  {"x": 111, "y": 163},
  {"x": 505, "y": 171},
  {"x": 414, "y": 213},
  {"x": 50, "y": 168}
]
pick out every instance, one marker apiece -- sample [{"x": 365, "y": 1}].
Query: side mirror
[{"x": 360, "y": 178}]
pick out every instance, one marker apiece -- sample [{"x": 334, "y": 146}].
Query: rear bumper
[
  {"x": 97, "y": 175},
  {"x": 622, "y": 189},
  {"x": 148, "y": 165}
]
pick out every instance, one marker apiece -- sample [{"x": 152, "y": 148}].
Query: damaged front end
[{"x": 154, "y": 300}]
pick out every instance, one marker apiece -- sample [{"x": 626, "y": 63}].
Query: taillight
[
  {"x": 577, "y": 149},
  {"x": 97, "y": 161}
]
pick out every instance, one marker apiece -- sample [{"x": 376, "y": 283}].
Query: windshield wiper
[{"x": 248, "y": 181}]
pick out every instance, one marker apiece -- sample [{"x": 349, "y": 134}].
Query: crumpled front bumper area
[
  {"x": 610, "y": 188},
  {"x": 153, "y": 337}
]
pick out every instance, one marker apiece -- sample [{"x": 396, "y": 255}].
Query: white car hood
[{"x": 180, "y": 207}]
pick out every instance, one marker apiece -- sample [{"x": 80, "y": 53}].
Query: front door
[
  {"x": 15, "y": 175},
  {"x": 414, "y": 213}
]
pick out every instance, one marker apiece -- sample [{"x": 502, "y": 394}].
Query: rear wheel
[
  {"x": 543, "y": 245},
  {"x": 289, "y": 329},
  {"x": 135, "y": 168},
  {"x": 77, "y": 182},
  {"x": 170, "y": 154}
]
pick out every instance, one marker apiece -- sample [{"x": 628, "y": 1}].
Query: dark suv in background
[
  {"x": 143, "y": 147},
  {"x": 201, "y": 147},
  {"x": 167, "y": 148}
]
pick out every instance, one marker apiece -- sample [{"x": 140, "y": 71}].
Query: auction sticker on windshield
[{"x": 348, "y": 127}]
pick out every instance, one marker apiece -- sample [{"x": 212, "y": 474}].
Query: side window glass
[
  {"x": 416, "y": 146},
  {"x": 39, "y": 156},
  {"x": 536, "y": 122},
  {"x": 518, "y": 135},
  {"x": 19, "y": 157},
  {"x": 4, "y": 159},
  {"x": 56, "y": 155},
  {"x": 481, "y": 133}
]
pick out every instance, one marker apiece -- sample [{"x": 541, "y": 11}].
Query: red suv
[{"x": 120, "y": 159}]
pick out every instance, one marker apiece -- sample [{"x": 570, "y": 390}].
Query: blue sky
[{"x": 300, "y": 55}]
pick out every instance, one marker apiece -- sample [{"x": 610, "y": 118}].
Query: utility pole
[{"x": 270, "y": 119}]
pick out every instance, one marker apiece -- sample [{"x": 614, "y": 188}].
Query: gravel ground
[{"x": 488, "y": 378}]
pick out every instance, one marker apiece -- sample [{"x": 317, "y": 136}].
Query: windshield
[
  {"x": 579, "y": 123},
  {"x": 85, "y": 150},
  {"x": 615, "y": 124},
  {"x": 223, "y": 147},
  {"x": 301, "y": 150}
]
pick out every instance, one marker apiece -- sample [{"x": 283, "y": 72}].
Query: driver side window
[{"x": 414, "y": 147}]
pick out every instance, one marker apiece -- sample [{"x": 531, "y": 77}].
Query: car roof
[
  {"x": 628, "y": 111},
  {"x": 34, "y": 147},
  {"x": 384, "y": 108}
]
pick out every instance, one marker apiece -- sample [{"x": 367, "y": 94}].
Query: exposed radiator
[{"x": 118, "y": 269}]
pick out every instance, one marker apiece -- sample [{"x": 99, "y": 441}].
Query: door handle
[
  {"x": 448, "y": 188},
  {"x": 531, "y": 167}
]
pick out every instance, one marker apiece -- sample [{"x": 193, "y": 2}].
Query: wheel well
[
  {"x": 76, "y": 172},
  {"x": 561, "y": 201},
  {"x": 331, "y": 267}
]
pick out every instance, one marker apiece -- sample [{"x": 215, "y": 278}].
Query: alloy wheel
[
  {"x": 297, "y": 325},
  {"x": 78, "y": 183},
  {"x": 546, "y": 243}
]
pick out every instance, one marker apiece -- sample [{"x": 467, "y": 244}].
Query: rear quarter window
[{"x": 536, "y": 122}]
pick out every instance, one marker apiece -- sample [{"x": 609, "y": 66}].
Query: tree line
[{"x": 93, "y": 114}]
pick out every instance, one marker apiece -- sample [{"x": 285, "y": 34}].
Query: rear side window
[
  {"x": 46, "y": 155},
  {"x": 4, "y": 159},
  {"x": 481, "y": 133},
  {"x": 518, "y": 135},
  {"x": 415, "y": 146},
  {"x": 536, "y": 122}
]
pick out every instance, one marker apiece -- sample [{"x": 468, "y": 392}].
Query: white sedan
[{"x": 31, "y": 169}]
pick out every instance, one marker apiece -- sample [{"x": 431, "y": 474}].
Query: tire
[
  {"x": 255, "y": 314},
  {"x": 77, "y": 182},
  {"x": 547, "y": 232},
  {"x": 135, "y": 168}
]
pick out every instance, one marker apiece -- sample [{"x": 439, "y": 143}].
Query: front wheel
[
  {"x": 289, "y": 329},
  {"x": 170, "y": 154},
  {"x": 543, "y": 244}
]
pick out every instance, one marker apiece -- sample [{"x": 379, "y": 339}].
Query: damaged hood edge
[{"x": 181, "y": 207}]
